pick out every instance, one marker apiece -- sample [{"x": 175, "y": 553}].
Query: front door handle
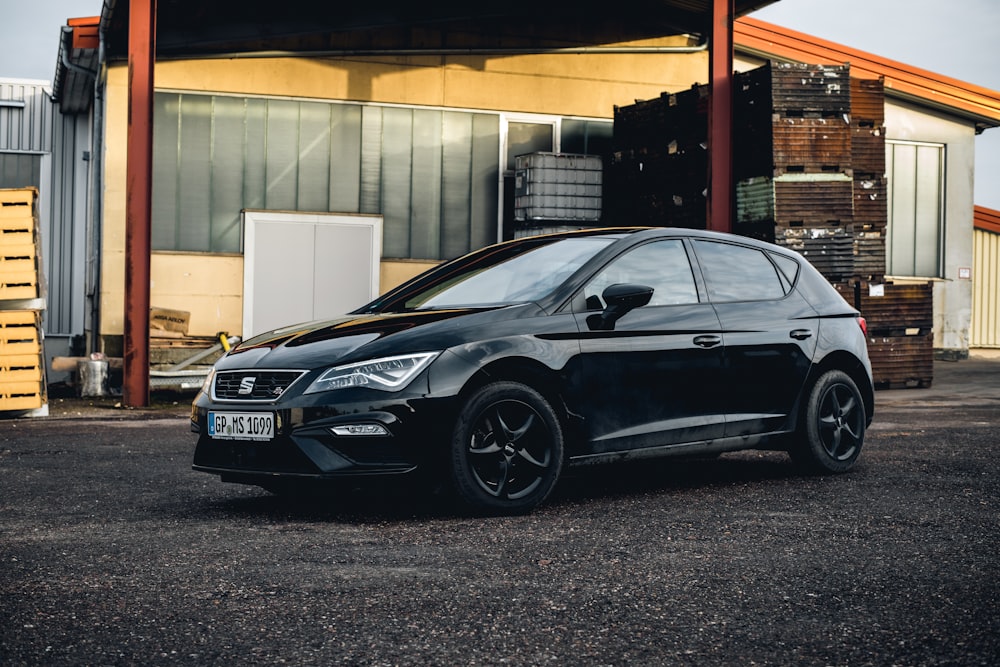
[
  {"x": 801, "y": 334},
  {"x": 707, "y": 341}
]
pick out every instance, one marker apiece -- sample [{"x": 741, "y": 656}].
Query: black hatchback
[{"x": 496, "y": 370}]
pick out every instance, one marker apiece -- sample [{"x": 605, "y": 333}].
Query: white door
[{"x": 299, "y": 267}]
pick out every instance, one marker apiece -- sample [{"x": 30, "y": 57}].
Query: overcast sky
[{"x": 959, "y": 38}]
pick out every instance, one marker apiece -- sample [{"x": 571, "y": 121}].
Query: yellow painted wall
[{"x": 210, "y": 286}]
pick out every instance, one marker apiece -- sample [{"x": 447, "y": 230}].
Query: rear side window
[
  {"x": 737, "y": 273},
  {"x": 788, "y": 270}
]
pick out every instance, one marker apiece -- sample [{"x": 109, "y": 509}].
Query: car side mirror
[{"x": 620, "y": 299}]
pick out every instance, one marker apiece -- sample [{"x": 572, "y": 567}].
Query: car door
[
  {"x": 650, "y": 378},
  {"x": 769, "y": 331}
]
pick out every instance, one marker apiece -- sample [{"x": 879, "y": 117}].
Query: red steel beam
[
  {"x": 720, "y": 118},
  {"x": 138, "y": 204}
]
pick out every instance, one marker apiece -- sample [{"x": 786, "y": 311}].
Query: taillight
[{"x": 863, "y": 323}]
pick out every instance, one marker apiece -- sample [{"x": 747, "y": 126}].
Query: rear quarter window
[{"x": 738, "y": 273}]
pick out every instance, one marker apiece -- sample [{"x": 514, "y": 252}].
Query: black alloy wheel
[
  {"x": 833, "y": 431},
  {"x": 507, "y": 449}
]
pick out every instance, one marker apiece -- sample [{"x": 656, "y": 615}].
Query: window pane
[
  {"x": 255, "y": 167},
  {"x": 587, "y": 137},
  {"x": 345, "y": 158},
  {"x": 523, "y": 138},
  {"x": 166, "y": 119},
  {"x": 662, "y": 265},
  {"x": 737, "y": 273},
  {"x": 314, "y": 156},
  {"x": 195, "y": 173},
  {"x": 397, "y": 166},
  {"x": 425, "y": 218},
  {"x": 485, "y": 175},
  {"x": 282, "y": 155},
  {"x": 227, "y": 173},
  {"x": 456, "y": 183}
]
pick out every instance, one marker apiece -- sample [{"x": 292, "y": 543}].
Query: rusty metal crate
[
  {"x": 868, "y": 149},
  {"x": 871, "y": 201},
  {"x": 901, "y": 308},
  {"x": 902, "y": 362},
  {"x": 868, "y": 100},
  {"x": 809, "y": 145},
  {"x": 819, "y": 90},
  {"x": 830, "y": 250},
  {"x": 869, "y": 254}
]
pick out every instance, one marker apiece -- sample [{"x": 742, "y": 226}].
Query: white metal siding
[{"x": 986, "y": 290}]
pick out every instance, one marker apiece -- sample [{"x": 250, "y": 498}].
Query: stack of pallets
[
  {"x": 658, "y": 173},
  {"x": 792, "y": 162},
  {"x": 900, "y": 330},
  {"x": 22, "y": 364}
]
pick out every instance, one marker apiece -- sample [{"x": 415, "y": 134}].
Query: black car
[{"x": 496, "y": 370}]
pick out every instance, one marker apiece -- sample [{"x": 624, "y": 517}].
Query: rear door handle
[
  {"x": 707, "y": 341},
  {"x": 801, "y": 334}
]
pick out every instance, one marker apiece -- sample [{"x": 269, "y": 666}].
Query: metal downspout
[
  {"x": 96, "y": 177},
  {"x": 702, "y": 45}
]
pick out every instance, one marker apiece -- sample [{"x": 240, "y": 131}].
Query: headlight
[
  {"x": 206, "y": 386},
  {"x": 387, "y": 373}
]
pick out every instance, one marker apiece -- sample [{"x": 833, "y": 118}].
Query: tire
[
  {"x": 506, "y": 449},
  {"x": 832, "y": 433}
]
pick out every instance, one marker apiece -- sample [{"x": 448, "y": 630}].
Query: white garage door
[{"x": 307, "y": 266}]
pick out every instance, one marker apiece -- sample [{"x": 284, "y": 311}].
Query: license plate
[{"x": 241, "y": 425}]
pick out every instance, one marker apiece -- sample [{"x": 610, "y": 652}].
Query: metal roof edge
[{"x": 986, "y": 219}]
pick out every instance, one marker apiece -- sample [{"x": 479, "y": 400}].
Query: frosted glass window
[
  {"x": 431, "y": 174},
  {"x": 916, "y": 209}
]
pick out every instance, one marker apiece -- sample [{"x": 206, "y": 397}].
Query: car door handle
[
  {"x": 801, "y": 334},
  {"x": 707, "y": 341}
]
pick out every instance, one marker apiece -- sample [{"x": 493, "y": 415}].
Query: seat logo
[{"x": 246, "y": 386}]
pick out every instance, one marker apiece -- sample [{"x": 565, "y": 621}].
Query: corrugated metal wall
[
  {"x": 985, "y": 290},
  {"x": 25, "y": 117},
  {"x": 42, "y": 148}
]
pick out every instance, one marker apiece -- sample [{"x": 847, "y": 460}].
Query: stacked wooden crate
[
  {"x": 22, "y": 365},
  {"x": 658, "y": 173},
  {"x": 869, "y": 179},
  {"x": 900, "y": 321},
  {"x": 792, "y": 162}
]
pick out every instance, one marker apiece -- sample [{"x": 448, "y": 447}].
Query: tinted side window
[
  {"x": 736, "y": 273},
  {"x": 662, "y": 265},
  {"x": 788, "y": 269}
]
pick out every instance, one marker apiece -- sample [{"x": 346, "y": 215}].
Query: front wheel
[
  {"x": 506, "y": 449},
  {"x": 832, "y": 433}
]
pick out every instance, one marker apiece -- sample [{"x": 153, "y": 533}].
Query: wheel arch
[{"x": 854, "y": 368}]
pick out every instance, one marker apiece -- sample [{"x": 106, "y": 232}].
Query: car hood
[{"x": 351, "y": 338}]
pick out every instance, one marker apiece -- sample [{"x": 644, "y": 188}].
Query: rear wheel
[
  {"x": 833, "y": 429},
  {"x": 506, "y": 449}
]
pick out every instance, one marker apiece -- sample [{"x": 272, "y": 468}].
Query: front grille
[{"x": 250, "y": 385}]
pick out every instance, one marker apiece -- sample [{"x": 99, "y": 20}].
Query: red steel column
[
  {"x": 720, "y": 118},
  {"x": 138, "y": 200}
]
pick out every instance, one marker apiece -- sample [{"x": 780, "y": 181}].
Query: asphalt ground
[{"x": 113, "y": 552}]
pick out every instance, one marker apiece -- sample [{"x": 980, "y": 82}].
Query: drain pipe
[{"x": 701, "y": 45}]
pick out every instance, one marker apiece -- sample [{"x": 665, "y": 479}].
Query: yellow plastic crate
[
  {"x": 21, "y": 396},
  {"x": 22, "y": 370},
  {"x": 19, "y": 333},
  {"x": 16, "y": 205}
]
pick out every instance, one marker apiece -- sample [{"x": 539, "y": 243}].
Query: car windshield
[{"x": 500, "y": 275}]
